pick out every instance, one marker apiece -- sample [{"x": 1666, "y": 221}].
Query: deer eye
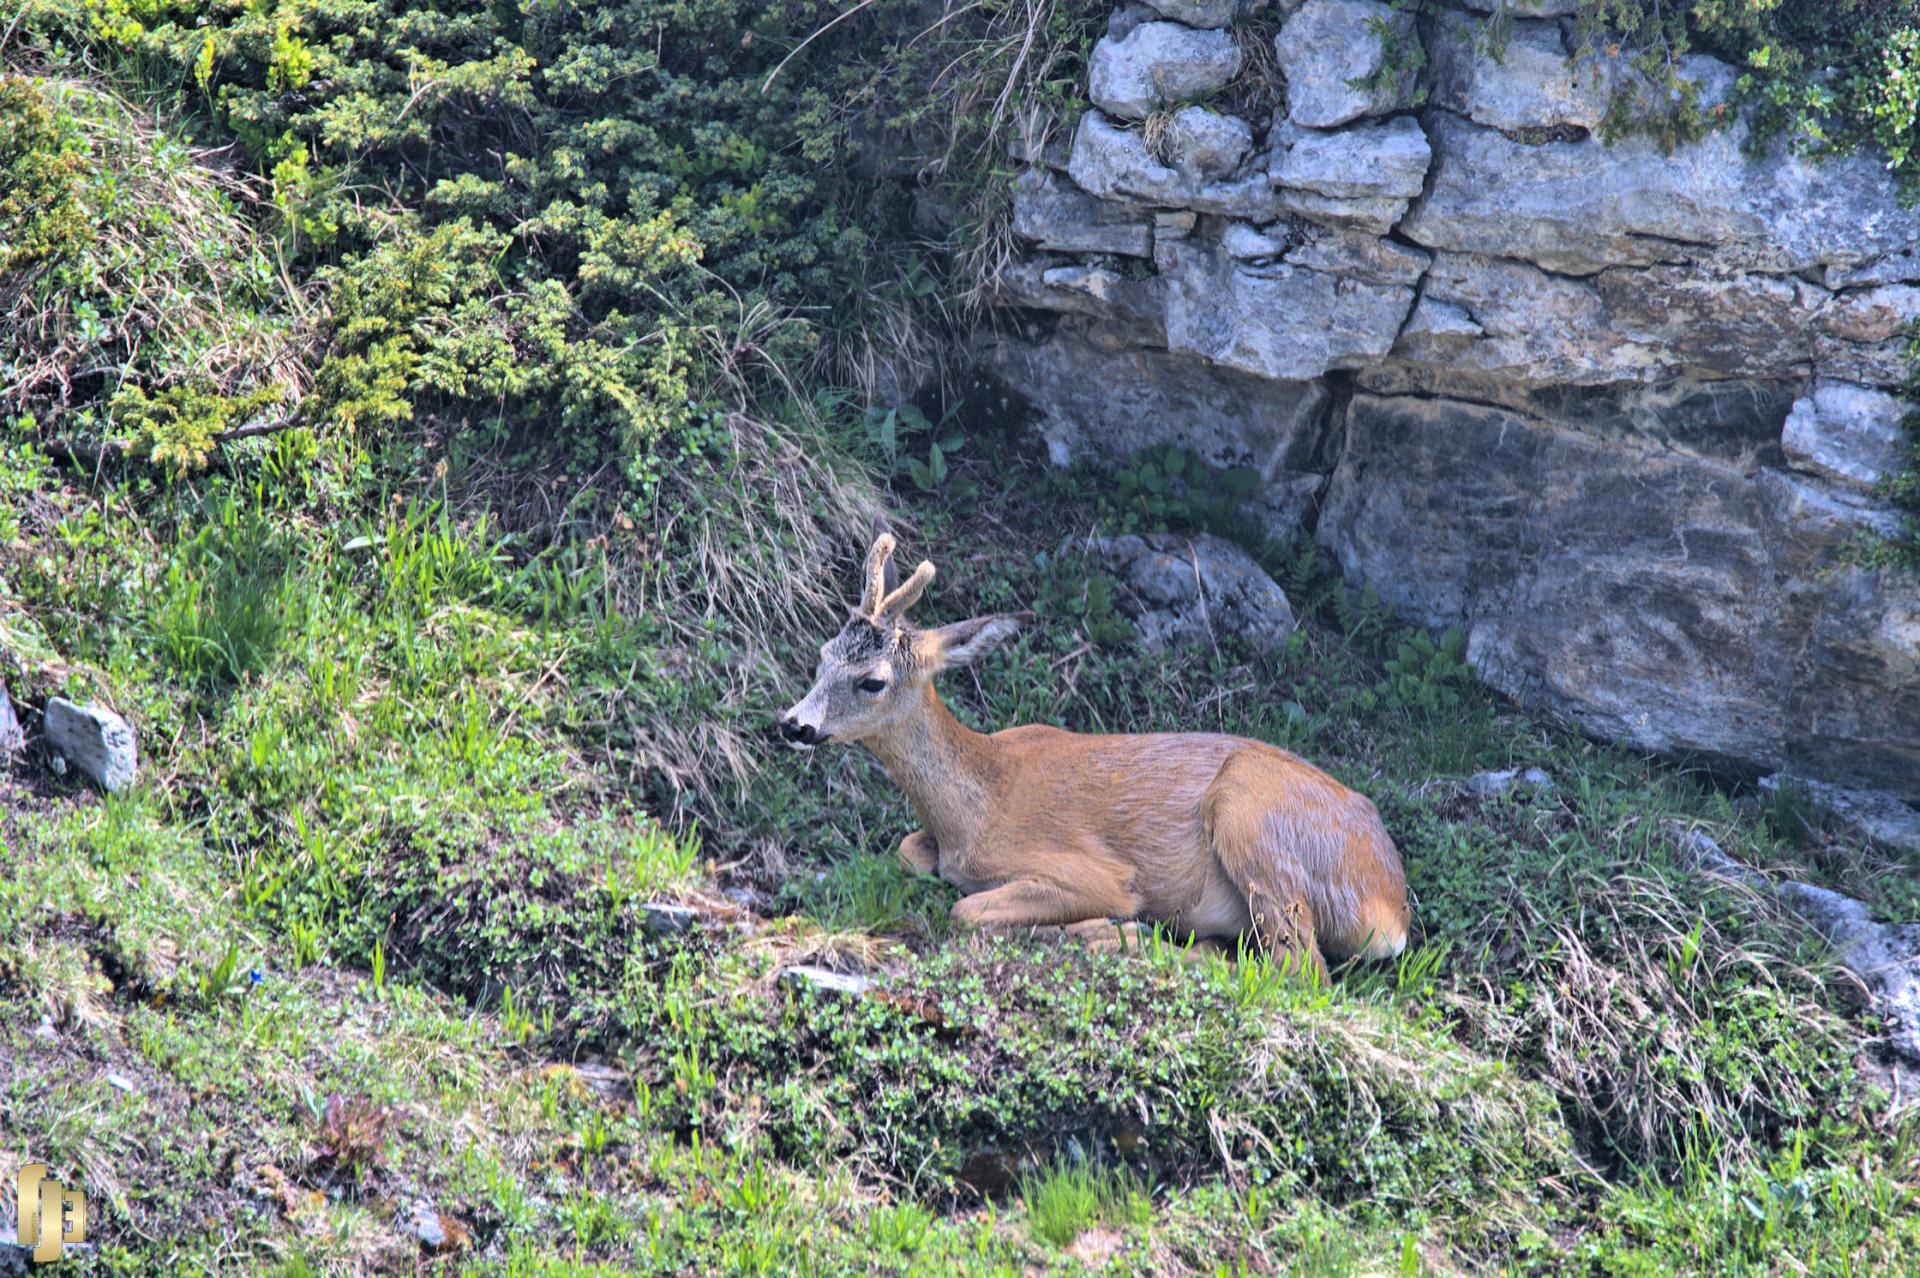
[{"x": 870, "y": 684}]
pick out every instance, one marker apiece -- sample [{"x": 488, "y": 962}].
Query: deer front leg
[
  {"x": 919, "y": 854},
  {"x": 1032, "y": 903}
]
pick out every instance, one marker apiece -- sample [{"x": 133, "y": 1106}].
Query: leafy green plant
[
  {"x": 1427, "y": 673},
  {"x": 1167, "y": 487}
]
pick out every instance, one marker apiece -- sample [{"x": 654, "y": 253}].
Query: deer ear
[{"x": 965, "y": 642}]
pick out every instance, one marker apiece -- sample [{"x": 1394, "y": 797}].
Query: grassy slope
[{"x": 393, "y": 809}]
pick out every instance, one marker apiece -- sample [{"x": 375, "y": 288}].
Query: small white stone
[{"x": 96, "y": 739}]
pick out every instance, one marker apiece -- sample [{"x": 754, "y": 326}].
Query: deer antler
[
  {"x": 895, "y": 605},
  {"x": 881, "y": 601},
  {"x": 875, "y": 585}
]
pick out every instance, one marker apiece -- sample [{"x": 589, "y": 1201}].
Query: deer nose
[{"x": 794, "y": 730}]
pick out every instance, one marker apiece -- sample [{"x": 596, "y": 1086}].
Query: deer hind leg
[
  {"x": 1258, "y": 817},
  {"x": 1311, "y": 856}
]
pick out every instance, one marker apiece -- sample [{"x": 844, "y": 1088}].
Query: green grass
[
  {"x": 1065, "y": 1199},
  {"x": 405, "y": 817}
]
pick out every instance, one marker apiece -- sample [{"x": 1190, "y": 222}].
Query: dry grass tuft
[
  {"x": 1157, "y": 132},
  {"x": 169, "y": 280},
  {"x": 1259, "y": 94}
]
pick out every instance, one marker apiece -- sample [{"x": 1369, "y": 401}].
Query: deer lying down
[{"x": 1214, "y": 835}]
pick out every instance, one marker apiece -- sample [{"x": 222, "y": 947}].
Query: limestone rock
[
  {"x": 662, "y": 919},
  {"x": 1358, "y": 257},
  {"x": 1367, "y": 216},
  {"x": 1137, "y": 306},
  {"x": 1649, "y": 596},
  {"x": 98, "y": 741},
  {"x": 1359, "y": 178},
  {"x": 12, "y": 738},
  {"x": 1384, "y": 161},
  {"x": 1286, "y": 322},
  {"x": 1617, "y": 413},
  {"x": 1158, "y": 64},
  {"x": 1206, "y": 144},
  {"x": 1579, "y": 207},
  {"x": 1850, "y": 433},
  {"x": 1488, "y": 784},
  {"x": 1527, "y": 8},
  {"x": 1129, "y": 15},
  {"x": 1057, "y": 216},
  {"x": 1195, "y": 588},
  {"x": 1199, "y": 13},
  {"x": 1877, "y": 815},
  {"x": 1532, "y": 84},
  {"x": 1151, "y": 397},
  {"x": 1437, "y": 332},
  {"x": 1114, "y": 163},
  {"x": 1245, "y": 243},
  {"x": 1329, "y": 43},
  {"x": 805, "y": 976},
  {"x": 1541, "y": 328},
  {"x": 1885, "y": 956}
]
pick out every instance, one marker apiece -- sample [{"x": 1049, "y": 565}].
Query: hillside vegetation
[{"x": 447, "y": 431}]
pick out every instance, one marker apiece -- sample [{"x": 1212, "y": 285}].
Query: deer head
[{"x": 872, "y": 675}]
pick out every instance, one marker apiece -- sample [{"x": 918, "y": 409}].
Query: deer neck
[{"x": 942, "y": 766}]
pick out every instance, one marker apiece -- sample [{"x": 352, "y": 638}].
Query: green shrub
[{"x": 1823, "y": 78}]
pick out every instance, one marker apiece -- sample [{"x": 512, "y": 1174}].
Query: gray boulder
[
  {"x": 1129, "y": 15},
  {"x": 1487, "y": 785},
  {"x": 1385, "y": 161},
  {"x": 827, "y": 981},
  {"x": 1157, "y": 65},
  {"x": 1122, "y": 302},
  {"x": 96, "y": 740},
  {"x": 1638, "y": 591},
  {"x": 1199, "y": 13},
  {"x": 1527, "y": 8},
  {"x": 1327, "y": 45},
  {"x": 1184, "y": 588},
  {"x": 1531, "y": 84},
  {"x": 1850, "y": 433},
  {"x": 1359, "y": 179},
  {"x": 12, "y": 738},
  {"x": 1114, "y": 163},
  {"x": 1281, "y": 321},
  {"x": 1150, "y": 397},
  {"x": 1877, "y": 815},
  {"x": 1540, "y": 328},
  {"x": 1059, "y": 217},
  {"x": 1580, "y": 207},
  {"x": 1206, "y": 144},
  {"x": 1885, "y": 956},
  {"x": 1358, "y": 257}
]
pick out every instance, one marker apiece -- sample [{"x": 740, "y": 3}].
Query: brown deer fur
[{"x": 1211, "y": 834}]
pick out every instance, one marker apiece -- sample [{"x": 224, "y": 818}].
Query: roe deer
[{"x": 1215, "y": 835}]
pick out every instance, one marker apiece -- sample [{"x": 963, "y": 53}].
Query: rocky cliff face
[{"x": 1615, "y": 411}]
